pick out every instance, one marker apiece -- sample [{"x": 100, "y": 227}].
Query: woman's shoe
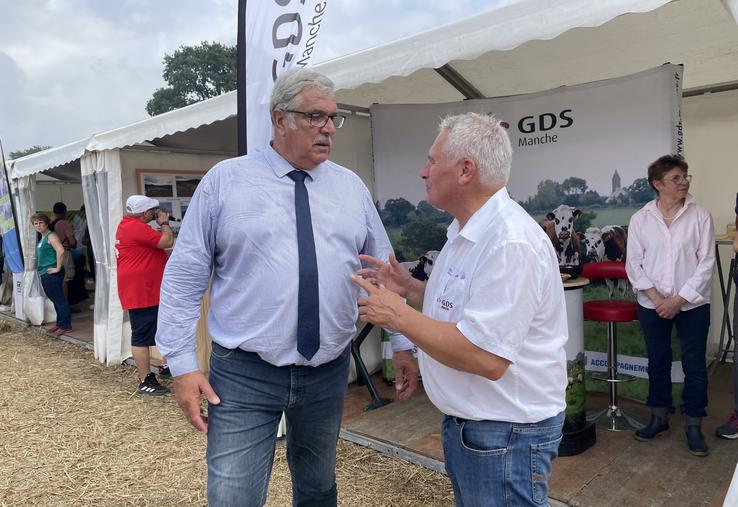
[
  {"x": 655, "y": 426},
  {"x": 60, "y": 331},
  {"x": 52, "y": 329},
  {"x": 696, "y": 441}
]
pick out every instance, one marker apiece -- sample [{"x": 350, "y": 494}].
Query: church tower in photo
[{"x": 615, "y": 181}]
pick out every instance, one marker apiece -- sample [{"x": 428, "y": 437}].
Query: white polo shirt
[{"x": 498, "y": 278}]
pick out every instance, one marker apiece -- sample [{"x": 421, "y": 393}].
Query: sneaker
[
  {"x": 164, "y": 371},
  {"x": 729, "y": 430},
  {"x": 151, "y": 387}
]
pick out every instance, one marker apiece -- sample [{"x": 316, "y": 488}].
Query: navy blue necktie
[{"x": 308, "y": 307}]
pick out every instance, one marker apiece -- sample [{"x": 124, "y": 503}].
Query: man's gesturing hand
[
  {"x": 380, "y": 306},
  {"x": 391, "y": 274},
  {"x": 187, "y": 391}
]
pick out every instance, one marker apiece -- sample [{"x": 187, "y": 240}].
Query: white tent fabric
[
  {"x": 101, "y": 184},
  {"x": 499, "y": 52},
  {"x": 179, "y": 120},
  {"x": 488, "y": 36},
  {"x": 25, "y": 200},
  {"x": 497, "y": 30}
]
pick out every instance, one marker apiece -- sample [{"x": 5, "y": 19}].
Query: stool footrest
[{"x": 613, "y": 418}]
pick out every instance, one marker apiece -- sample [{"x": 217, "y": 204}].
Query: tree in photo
[
  {"x": 549, "y": 195},
  {"x": 427, "y": 212},
  {"x": 397, "y": 212},
  {"x": 640, "y": 191},
  {"x": 194, "y": 73},
  {"x": 15, "y": 155},
  {"x": 420, "y": 236}
]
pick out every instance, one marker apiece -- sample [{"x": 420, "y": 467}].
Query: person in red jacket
[{"x": 139, "y": 250}]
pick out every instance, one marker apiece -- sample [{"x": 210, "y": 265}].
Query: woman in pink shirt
[{"x": 670, "y": 258}]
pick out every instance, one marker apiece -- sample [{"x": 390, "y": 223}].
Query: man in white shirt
[{"x": 493, "y": 328}]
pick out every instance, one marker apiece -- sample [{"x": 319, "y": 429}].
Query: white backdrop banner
[
  {"x": 587, "y": 131},
  {"x": 279, "y": 34}
]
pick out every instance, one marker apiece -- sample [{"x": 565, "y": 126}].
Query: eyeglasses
[
  {"x": 321, "y": 119},
  {"x": 679, "y": 179}
]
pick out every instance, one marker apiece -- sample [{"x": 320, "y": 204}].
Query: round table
[{"x": 578, "y": 434}]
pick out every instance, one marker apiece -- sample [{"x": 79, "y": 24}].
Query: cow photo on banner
[{"x": 579, "y": 168}]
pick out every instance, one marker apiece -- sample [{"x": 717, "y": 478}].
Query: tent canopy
[{"x": 529, "y": 46}]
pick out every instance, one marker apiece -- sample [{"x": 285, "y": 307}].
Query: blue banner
[{"x": 11, "y": 247}]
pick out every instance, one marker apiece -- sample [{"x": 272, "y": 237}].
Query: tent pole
[
  {"x": 241, "y": 79},
  {"x": 459, "y": 82}
]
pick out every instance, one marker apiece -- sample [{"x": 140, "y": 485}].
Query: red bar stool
[{"x": 611, "y": 311}]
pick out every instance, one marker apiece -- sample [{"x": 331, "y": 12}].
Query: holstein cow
[
  {"x": 608, "y": 244},
  {"x": 421, "y": 269},
  {"x": 560, "y": 229}
]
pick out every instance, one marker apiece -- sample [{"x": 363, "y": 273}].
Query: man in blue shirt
[{"x": 277, "y": 236}]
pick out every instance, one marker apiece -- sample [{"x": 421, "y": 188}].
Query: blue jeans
[
  {"x": 54, "y": 290},
  {"x": 493, "y": 463},
  {"x": 692, "y": 327},
  {"x": 242, "y": 429}
]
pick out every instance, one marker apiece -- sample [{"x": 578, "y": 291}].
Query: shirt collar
[
  {"x": 477, "y": 224},
  {"x": 281, "y": 166},
  {"x": 651, "y": 206}
]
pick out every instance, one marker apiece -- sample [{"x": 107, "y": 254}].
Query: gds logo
[{"x": 545, "y": 122}]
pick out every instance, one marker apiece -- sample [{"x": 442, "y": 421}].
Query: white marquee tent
[{"x": 529, "y": 46}]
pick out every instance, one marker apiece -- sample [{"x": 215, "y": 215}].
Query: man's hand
[
  {"x": 668, "y": 308},
  {"x": 406, "y": 374},
  {"x": 162, "y": 217},
  {"x": 390, "y": 274},
  {"x": 187, "y": 391},
  {"x": 381, "y": 307}
]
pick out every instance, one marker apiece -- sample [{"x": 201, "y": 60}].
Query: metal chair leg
[{"x": 613, "y": 418}]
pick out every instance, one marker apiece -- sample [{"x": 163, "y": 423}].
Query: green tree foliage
[
  {"x": 427, "y": 212},
  {"x": 574, "y": 186},
  {"x": 194, "y": 73},
  {"x": 396, "y": 212},
  {"x": 549, "y": 195},
  {"x": 640, "y": 191},
  {"x": 419, "y": 236},
  {"x": 27, "y": 151}
]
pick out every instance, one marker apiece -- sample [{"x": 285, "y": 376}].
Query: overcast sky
[{"x": 71, "y": 68}]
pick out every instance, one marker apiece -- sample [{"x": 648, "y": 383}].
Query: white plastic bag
[
  {"x": 33, "y": 305},
  {"x": 37, "y": 307}
]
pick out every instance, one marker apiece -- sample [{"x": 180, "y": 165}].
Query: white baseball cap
[{"x": 140, "y": 203}]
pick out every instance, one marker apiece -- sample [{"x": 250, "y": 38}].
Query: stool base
[{"x": 613, "y": 418}]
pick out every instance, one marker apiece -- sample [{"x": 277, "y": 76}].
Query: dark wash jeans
[
  {"x": 242, "y": 429},
  {"x": 52, "y": 285},
  {"x": 692, "y": 327},
  {"x": 494, "y": 463}
]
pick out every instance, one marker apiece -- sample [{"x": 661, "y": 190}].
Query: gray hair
[
  {"x": 481, "y": 138},
  {"x": 287, "y": 89}
]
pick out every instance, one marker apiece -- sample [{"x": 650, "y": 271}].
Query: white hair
[
  {"x": 287, "y": 89},
  {"x": 481, "y": 138}
]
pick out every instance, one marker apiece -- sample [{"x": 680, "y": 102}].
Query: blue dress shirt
[{"x": 239, "y": 236}]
